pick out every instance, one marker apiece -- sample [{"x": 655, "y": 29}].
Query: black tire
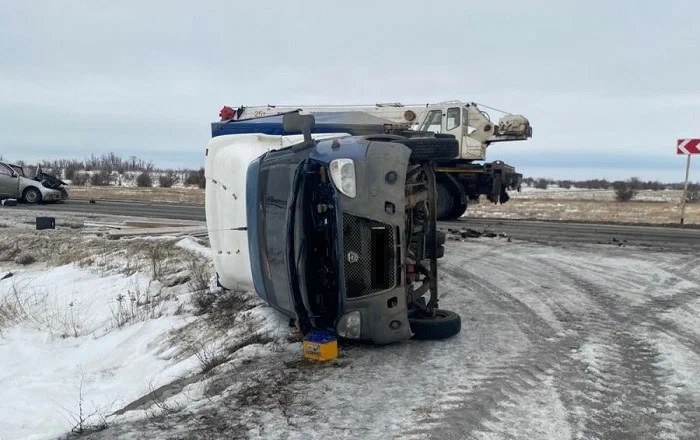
[
  {"x": 385, "y": 138},
  {"x": 31, "y": 195},
  {"x": 441, "y": 237},
  {"x": 427, "y": 149},
  {"x": 424, "y": 134},
  {"x": 504, "y": 196},
  {"x": 458, "y": 210},
  {"x": 444, "y": 136},
  {"x": 445, "y": 201},
  {"x": 444, "y": 324},
  {"x": 440, "y": 251}
]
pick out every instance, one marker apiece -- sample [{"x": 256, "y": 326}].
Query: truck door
[
  {"x": 470, "y": 148},
  {"x": 9, "y": 182},
  {"x": 453, "y": 122}
]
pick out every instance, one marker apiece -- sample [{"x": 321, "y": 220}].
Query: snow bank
[
  {"x": 75, "y": 331},
  {"x": 192, "y": 245}
]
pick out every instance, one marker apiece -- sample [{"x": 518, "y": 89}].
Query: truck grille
[{"x": 369, "y": 256}]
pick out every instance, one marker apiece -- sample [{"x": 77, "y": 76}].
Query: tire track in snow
[
  {"x": 469, "y": 407},
  {"x": 619, "y": 397},
  {"x": 648, "y": 310},
  {"x": 626, "y": 398}
]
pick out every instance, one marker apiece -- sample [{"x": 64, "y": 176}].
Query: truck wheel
[
  {"x": 427, "y": 149},
  {"x": 439, "y": 251},
  {"x": 444, "y": 324},
  {"x": 458, "y": 211},
  {"x": 441, "y": 237},
  {"x": 445, "y": 201},
  {"x": 31, "y": 196}
]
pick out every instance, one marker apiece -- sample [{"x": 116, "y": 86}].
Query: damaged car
[
  {"x": 335, "y": 228},
  {"x": 15, "y": 184}
]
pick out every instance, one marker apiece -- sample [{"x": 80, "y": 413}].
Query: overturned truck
[{"x": 337, "y": 230}]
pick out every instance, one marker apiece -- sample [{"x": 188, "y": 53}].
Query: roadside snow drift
[{"x": 81, "y": 339}]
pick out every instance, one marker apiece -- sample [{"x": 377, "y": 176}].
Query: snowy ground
[
  {"x": 558, "y": 342},
  {"x": 574, "y": 193},
  {"x": 88, "y": 326}
]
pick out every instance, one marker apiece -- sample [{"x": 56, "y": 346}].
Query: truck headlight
[
  {"x": 343, "y": 176},
  {"x": 350, "y": 325}
]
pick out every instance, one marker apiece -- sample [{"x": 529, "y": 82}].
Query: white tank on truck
[{"x": 463, "y": 178}]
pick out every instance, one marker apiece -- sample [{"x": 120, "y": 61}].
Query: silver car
[{"x": 42, "y": 188}]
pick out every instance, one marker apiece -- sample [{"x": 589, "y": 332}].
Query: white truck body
[{"x": 226, "y": 167}]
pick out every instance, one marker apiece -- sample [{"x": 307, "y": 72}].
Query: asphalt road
[
  {"x": 549, "y": 232},
  {"x": 662, "y": 238},
  {"x": 134, "y": 209}
]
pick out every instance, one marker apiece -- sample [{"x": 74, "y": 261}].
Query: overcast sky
[{"x": 608, "y": 86}]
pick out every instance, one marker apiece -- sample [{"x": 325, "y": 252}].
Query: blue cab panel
[{"x": 354, "y": 123}]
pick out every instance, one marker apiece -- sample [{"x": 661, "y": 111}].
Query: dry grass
[
  {"x": 159, "y": 195},
  {"x": 162, "y": 259},
  {"x": 584, "y": 210}
]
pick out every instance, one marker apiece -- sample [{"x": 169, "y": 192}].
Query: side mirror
[{"x": 296, "y": 122}]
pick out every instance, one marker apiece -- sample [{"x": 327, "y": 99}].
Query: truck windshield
[
  {"x": 432, "y": 122},
  {"x": 316, "y": 237},
  {"x": 276, "y": 179}
]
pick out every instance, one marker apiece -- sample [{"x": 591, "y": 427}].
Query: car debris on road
[{"x": 473, "y": 233}]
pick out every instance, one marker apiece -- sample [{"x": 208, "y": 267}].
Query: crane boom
[
  {"x": 471, "y": 126},
  {"x": 459, "y": 180}
]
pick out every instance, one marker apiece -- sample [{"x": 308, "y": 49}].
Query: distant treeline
[
  {"x": 634, "y": 182},
  {"x": 625, "y": 190},
  {"x": 112, "y": 169}
]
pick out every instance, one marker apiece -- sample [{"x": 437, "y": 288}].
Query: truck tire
[
  {"x": 458, "y": 211},
  {"x": 445, "y": 201},
  {"x": 449, "y": 206},
  {"x": 444, "y": 136},
  {"x": 423, "y": 149},
  {"x": 424, "y": 134},
  {"x": 439, "y": 251},
  {"x": 444, "y": 324},
  {"x": 427, "y": 149},
  {"x": 440, "y": 237},
  {"x": 31, "y": 195}
]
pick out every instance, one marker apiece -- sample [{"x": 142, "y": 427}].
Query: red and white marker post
[{"x": 687, "y": 147}]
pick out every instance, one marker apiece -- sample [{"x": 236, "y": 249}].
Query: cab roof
[{"x": 354, "y": 123}]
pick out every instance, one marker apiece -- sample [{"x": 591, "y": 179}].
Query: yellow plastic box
[{"x": 320, "y": 346}]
